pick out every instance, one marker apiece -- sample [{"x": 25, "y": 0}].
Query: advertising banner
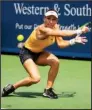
[{"x": 21, "y": 17}]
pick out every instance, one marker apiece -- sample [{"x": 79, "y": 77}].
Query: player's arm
[
  {"x": 65, "y": 43},
  {"x": 63, "y": 33},
  {"x": 62, "y": 43}
]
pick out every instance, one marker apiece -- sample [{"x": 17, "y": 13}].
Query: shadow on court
[{"x": 37, "y": 94}]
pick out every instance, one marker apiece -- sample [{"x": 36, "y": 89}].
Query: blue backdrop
[{"x": 22, "y": 17}]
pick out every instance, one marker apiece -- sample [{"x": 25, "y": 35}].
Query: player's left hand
[{"x": 82, "y": 40}]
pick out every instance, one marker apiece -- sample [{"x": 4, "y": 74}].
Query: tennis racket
[{"x": 88, "y": 24}]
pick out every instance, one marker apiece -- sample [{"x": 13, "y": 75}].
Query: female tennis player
[{"x": 33, "y": 53}]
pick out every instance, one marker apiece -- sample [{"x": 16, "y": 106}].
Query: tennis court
[{"x": 73, "y": 85}]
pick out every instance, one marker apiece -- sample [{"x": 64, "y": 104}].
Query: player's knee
[
  {"x": 32, "y": 81},
  {"x": 55, "y": 62},
  {"x": 36, "y": 80}
]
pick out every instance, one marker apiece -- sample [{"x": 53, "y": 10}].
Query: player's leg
[
  {"x": 31, "y": 68},
  {"x": 33, "y": 78},
  {"x": 49, "y": 59}
]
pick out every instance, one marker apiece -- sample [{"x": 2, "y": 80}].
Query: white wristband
[
  {"x": 79, "y": 32},
  {"x": 72, "y": 41}
]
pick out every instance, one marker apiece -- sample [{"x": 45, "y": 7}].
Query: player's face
[{"x": 50, "y": 21}]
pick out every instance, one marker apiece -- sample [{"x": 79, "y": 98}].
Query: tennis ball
[{"x": 20, "y": 37}]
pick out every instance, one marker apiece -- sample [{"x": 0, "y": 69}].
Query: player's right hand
[{"x": 85, "y": 29}]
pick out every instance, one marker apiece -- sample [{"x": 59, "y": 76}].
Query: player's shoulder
[
  {"x": 42, "y": 28},
  {"x": 39, "y": 27}
]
